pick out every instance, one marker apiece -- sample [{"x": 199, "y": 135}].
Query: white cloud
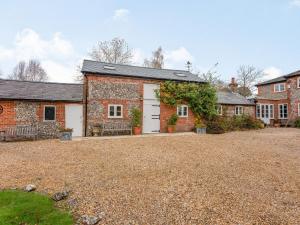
[
  {"x": 177, "y": 58},
  {"x": 121, "y": 14},
  {"x": 57, "y": 55},
  {"x": 295, "y": 3},
  {"x": 271, "y": 72}
]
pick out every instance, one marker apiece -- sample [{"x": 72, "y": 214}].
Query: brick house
[
  {"x": 112, "y": 90},
  {"x": 279, "y": 99},
  {"x": 46, "y": 105},
  {"x": 108, "y": 93}
]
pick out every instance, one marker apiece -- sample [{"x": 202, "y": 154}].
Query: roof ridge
[
  {"x": 43, "y": 82},
  {"x": 138, "y": 66}
]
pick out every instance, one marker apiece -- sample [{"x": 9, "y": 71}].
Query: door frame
[{"x": 81, "y": 119}]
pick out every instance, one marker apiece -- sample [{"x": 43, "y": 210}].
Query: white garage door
[{"x": 74, "y": 119}]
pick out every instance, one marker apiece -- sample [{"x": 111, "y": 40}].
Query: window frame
[
  {"x": 239, "y": 113},
  {"x": 258, "y": 108},
  {"x": 271, "y": 115},
  {"x": 44, "y": 114},
  {"x": 179, "y": 107},
  {"x": 115, "y": 111},
  {"x": 298, "y": 82},
  {"x": 298, "y": 109},
  {"x": 220, "y": 113},
  {"x": 287, "y": 111},
  {"x": 278, "y": 84}
]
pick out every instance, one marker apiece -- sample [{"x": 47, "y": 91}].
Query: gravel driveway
[{"x": 236, "y": 178}]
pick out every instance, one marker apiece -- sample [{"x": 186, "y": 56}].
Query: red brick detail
[{"x": 8, "y": 116}]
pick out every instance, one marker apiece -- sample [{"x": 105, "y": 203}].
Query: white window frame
[
  {"x": 180, "y": 108},
  {"x": 45, "y": 112},
  {"x": 271, "y": 115},
  {"x": 220, "y": 112},
  {"x": 287, "y": 111},
  {"x": 298, "y": 109},
  {"x": 240, "y": 112},
  {"x": 298, "y": 82},
  {"x": 115, "y": 111},
  {"x": 279, "y": 84},
  {"x": 258, "y": 106}
]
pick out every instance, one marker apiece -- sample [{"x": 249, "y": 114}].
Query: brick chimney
[{"x": 233, "y": 85}]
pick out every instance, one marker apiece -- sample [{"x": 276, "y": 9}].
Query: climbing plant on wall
[{"x": 201, "y": 98}]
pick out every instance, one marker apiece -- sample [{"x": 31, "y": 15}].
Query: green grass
[{"x": 17, "y": 207}]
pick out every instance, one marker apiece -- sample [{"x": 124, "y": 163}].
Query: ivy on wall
[{"x": 201, "y": 98}]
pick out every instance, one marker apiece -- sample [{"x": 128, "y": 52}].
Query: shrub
[
  {"x": 136, "y": 117},
  {"x": 173, "y": 120},
  {"x": 219, "y": 125},
  {"x": 297, "y": 123}
]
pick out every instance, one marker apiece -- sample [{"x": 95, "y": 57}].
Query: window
[
  {"x": 239, "y": 110},
  {"x": 115, "y": 111},
  {"x": 271, "y": 111},
  {"x": 283, "y": 111},
  {"x": 182, "y": 111},
  {"x": 298, "y": 109},
  {"x": 1, "y": 109},
  {"x": 298, "y": 82},
  {"x": 49, "y": 113},
  {"x": 279, "y": 87},
  {"x": 258, "y": 110},
  {"x": 219, "y": 110}
]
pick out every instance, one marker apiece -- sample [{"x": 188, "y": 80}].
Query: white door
[
  {"x": 266, "y": 113},
  {"x": 151, "y": 109},
  {"x": 73, "y": 114}
]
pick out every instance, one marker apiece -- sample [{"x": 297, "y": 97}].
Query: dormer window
[{"x": 279, "y": 87}]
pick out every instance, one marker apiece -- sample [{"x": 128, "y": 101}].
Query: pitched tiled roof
[
  {"x": 280, "y": 79},
  {"x": 29, "y": 90},
  {"x": 231, "y": 98},
  {"x": 137, "y": 71}
]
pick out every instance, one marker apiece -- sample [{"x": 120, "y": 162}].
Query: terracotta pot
[
  {"x": 137, "y": 130},
  {"x": 171, "y": 128}
]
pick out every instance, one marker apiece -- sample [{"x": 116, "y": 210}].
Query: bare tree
[
  {"x": 247, "y": 76},
  {"x": 113, "y": 51},
  {"x": 157, "y": 60},
  {"x": 31, "y": 71},
  {"x": 212, "y": 77}
]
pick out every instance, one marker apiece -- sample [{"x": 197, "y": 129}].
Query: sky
[{"x": 262, "y": 33}]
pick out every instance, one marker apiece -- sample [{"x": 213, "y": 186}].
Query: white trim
[
  {"x": 271, "y": 115},
  {"x": 240, "y": 112},
  {"x": 298, "y": 109},
  {"x": 258, "y": 106},
  {"x": 180, "y": 107},
  {"x": 45, "y": 111},
  {"x": 115, "y": 111},
  {"x": 298, "y": 82},
  {"x": 287, "y": 111},
  {"x": 284, "y": 87}
]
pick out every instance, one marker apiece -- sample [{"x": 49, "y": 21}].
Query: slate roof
[
  {"x": 230, "y": 98},
  {"x": 137, "y": 71},
  {"x": 280, "y": 79},
  {"x": 28, "y": 90}
]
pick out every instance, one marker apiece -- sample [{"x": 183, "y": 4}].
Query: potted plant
[
  {"x": 172, "y": 123},
  {"x": 136, "y": 119},
  {"x": 200, "y": 127},
  {"x": 65, "y": 134}
]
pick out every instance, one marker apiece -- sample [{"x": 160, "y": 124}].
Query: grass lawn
[{"x": 17, "y": 207}]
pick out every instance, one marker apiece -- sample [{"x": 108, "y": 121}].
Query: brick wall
[
  {"x": 229, "y": 110},
  {"x": 32, "y": 113},
  {"x": 267, "y": 91},
  {"x": 104, "y": 90}
]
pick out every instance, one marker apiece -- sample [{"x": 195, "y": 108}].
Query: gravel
[{"x": 250, "y": 177}]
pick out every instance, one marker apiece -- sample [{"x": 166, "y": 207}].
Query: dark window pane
[
  {"x": 119, "y": 111},
  {"x": 49, "y": 113},
  {"x": 111, "y": 110}
]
